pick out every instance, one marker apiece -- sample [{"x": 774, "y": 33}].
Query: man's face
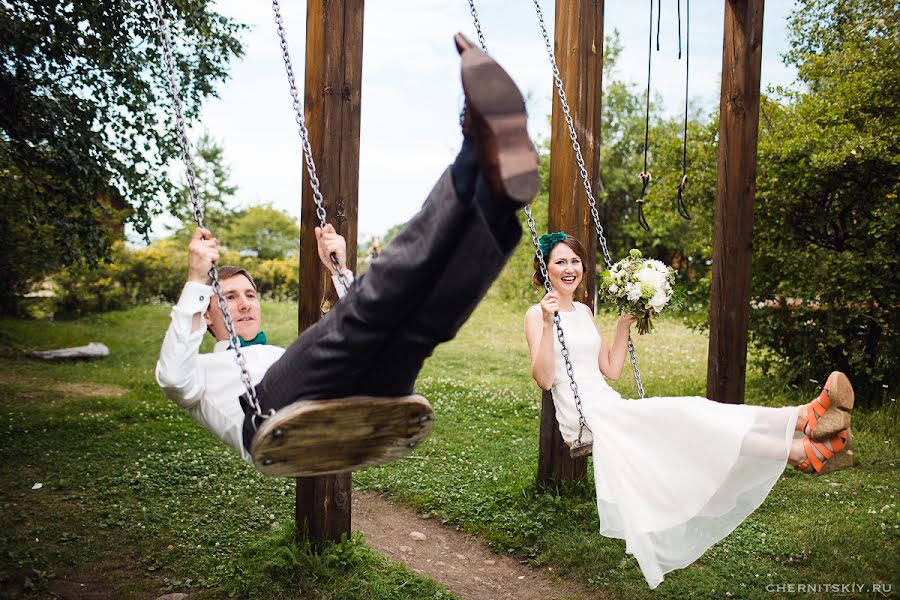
[{"x": 243, "y": 306}]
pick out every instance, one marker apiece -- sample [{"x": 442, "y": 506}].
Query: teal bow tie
[{"x": 260, "y": 339}]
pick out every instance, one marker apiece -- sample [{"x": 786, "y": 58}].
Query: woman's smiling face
[{"x": 565, "y": 269}]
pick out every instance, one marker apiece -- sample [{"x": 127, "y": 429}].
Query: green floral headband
[{"x": 548, "y": 240}]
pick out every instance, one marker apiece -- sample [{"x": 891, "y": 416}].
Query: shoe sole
[
  {"x": 845, "y": 459},
  {"x": 837, "y": 417},
  {"x": 497, "y": 101},
  {"x": 320, "y": 437}
]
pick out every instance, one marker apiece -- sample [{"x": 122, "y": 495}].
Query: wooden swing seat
[
  {"x": 319, "y": 437},
  {"x": 582, "y": 450}
]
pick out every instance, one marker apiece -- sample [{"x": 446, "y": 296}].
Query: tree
[
  {"x": 827, "y": 231},
  {"x": 269, "y": 232},
  {"x": 214, "y": 190},
  {"x": 86, "y": 116}
]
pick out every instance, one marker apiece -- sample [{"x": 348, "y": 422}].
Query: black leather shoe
[{"x": 497, "y": 122}]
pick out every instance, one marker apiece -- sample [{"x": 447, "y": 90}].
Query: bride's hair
[{"x": 537, "y": 279}]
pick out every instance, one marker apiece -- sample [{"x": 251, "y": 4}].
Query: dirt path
[
  {"x": 456, "y": 560},
  {"x": 35, "y": 387}
]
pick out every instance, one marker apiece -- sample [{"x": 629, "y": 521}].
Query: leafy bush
[
  {"x": 83, "y": 289},
  {"x": 154, "y": 274},
  {"x": 278, "y": 278},
  {"x": 157, "y": 272},
  {"x": 269, "y": 232},
  {"x": 514, "y": 283},
  {"x": 825, "y": 279}
]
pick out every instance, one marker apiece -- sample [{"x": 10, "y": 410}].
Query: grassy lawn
[
  {"x": 133, "y": 486},
  {"x": 135, "y": 493}
]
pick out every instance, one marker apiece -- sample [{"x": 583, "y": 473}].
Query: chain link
[
  {"x": 304, "y": 136},
  {"x": 634, "y": 367},
  {"x": 582, "y": 169},
  {"x": 198, "y": 211},
  {"x": 477, "y": 25}
]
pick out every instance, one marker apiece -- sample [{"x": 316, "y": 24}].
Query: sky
[{"x": 412, "y": 95}]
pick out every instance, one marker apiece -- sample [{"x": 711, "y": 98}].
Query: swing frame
[
  {"x": 309, "y": 437},
  {"x": 334, "y": 61}
]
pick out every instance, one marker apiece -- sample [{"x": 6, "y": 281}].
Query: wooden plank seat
[
  {"x": 318, "y": 437},
  {"x": 577, "y": 451}
]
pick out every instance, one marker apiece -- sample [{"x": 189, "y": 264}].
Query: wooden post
[
  {"x": 579, "y": 56},
  {"x": 735, "y": 193},
  {"x": 334, "y": 41}
]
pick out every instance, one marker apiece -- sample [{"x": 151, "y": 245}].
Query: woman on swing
[{"x": 673, "y": 475}]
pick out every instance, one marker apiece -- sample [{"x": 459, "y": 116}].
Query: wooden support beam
[
  {"x": 579, "y": 55},
  {"x": 735, "y": 195},
  {"x": 334, "y": 42}
]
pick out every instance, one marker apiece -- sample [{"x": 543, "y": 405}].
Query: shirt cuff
[
  {"x": 194, "y": 298},
  {"x": 339, "y": 286}
]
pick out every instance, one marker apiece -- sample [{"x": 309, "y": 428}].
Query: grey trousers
[{"x": 416, "y": 295}]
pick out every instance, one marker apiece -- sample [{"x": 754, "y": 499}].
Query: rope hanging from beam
[{"x": 682, "y": 208}]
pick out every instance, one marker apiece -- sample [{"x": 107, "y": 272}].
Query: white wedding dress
[{"x": 673, "y": 475}]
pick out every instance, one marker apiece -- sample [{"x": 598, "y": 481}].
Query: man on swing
[{"x": 416, "y": 295}]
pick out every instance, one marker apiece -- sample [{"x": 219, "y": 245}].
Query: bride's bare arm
[
  {"x": 539, "y": 334},
  {"x": 612, "y": 359}
]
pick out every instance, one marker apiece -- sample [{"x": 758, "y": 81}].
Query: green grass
[
  {"x": 130, "y": 483},
  {"x": 478, "y": 471},
  {"x": 126, "y": 477}
]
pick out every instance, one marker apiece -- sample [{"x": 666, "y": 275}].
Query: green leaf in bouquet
[{"x": 679, "y": 296}]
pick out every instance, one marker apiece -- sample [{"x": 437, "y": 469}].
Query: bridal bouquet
[{"x": 641, "y": 287}]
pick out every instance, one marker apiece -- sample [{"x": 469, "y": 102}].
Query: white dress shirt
[{"x": 207, "y": 386}]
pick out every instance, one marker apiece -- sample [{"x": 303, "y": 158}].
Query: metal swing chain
[
  {"x": 557, "y": 322},
  {"x": 477, "y": 25},
  {"x": 574, "y": 137},
  {"x": 304, "y": 136},
  {"x": 582, "y": 424},
  {"x": 584, "y": 178},
  {"x": 198, "y": 211}
]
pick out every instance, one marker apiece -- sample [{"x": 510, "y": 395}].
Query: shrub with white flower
[{"x": 640, "y": 287}]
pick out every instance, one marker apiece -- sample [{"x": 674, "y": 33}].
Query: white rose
[
  {"x": 658, "y": 266},
  {"x": 633, "y": 292},
  {"x": 651, "y": 276},
  {"x": 658, "y": 301},
  {"x": 613, "y": 289}
]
